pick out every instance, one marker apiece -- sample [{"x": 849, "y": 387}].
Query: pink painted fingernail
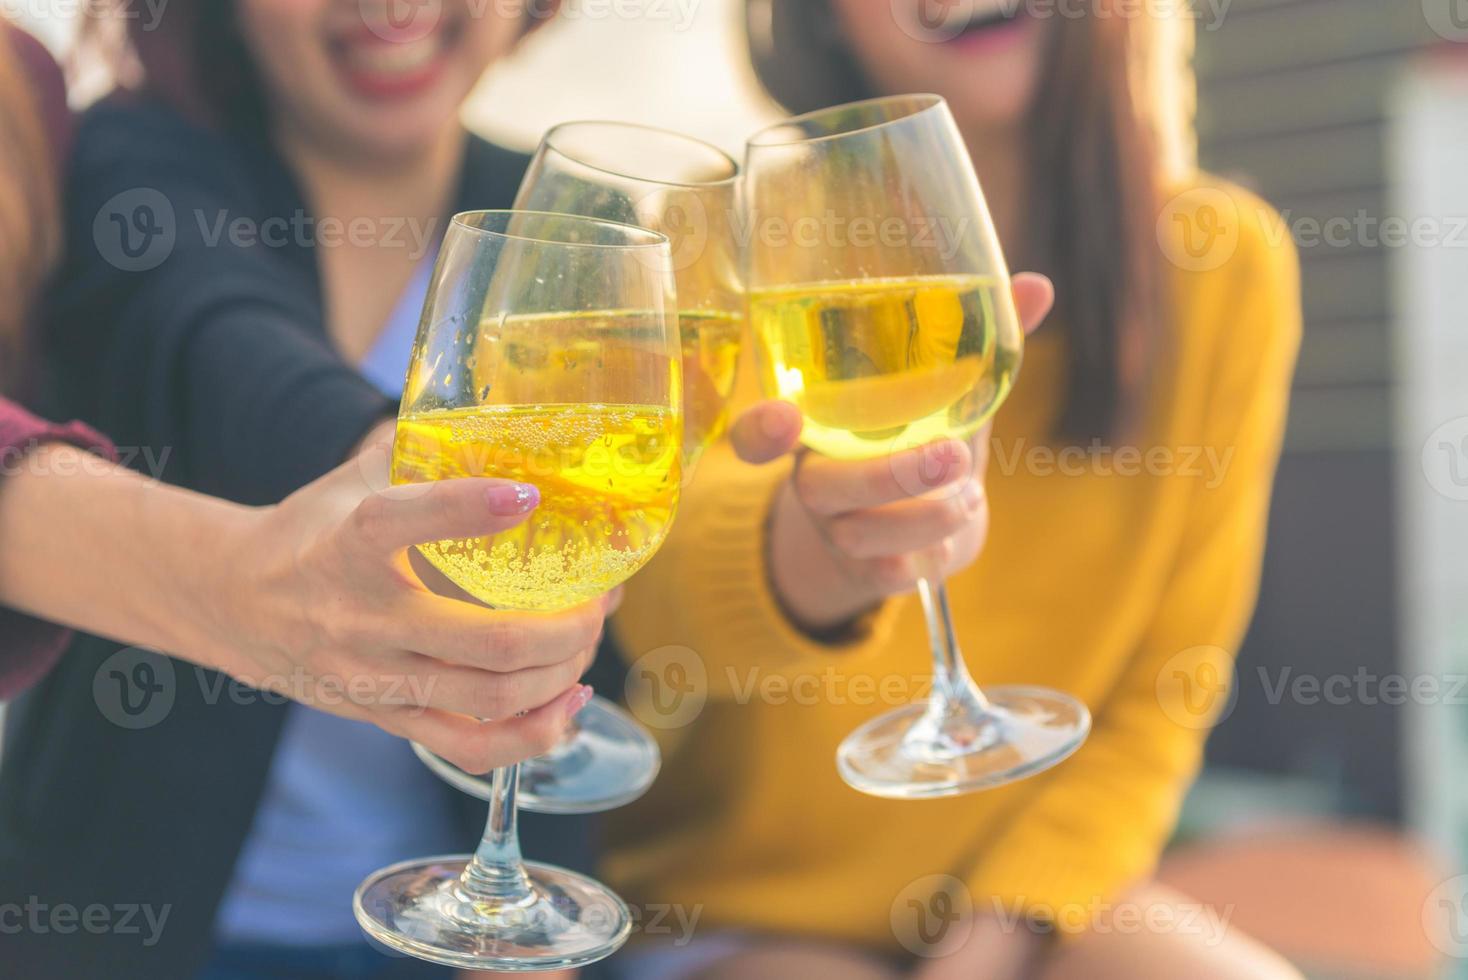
[
  {"x": 579, "y": 700},
  {"x": 512, "y": 498}
]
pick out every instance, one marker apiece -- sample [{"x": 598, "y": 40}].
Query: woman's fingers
[
  {"x": 898, "y": 574},
  {"x": 479, "y": 746},
  {"x": 1034, "y": 296},
  {"x": 766, "y": 431},
  {"x": 492, "y": 639},
  {"x": 828, "y": 487},
  {"x": 908, "y": 525},
  {"x": 396, "y": 518},
  {"x": 485, "y": 694}
]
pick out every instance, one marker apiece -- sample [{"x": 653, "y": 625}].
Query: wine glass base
[
  {"x": 609, "y": 762},
  {"x": 1034, "y": 728},
  {"x": 417, "y": 908}
]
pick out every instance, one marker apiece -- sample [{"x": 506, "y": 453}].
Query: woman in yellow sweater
[{"x": 1128, "y": 481}]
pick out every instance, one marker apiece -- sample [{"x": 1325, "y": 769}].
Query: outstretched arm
[{"x": 310, "y": 598}]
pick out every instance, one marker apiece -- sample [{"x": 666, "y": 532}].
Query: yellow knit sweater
[{"x": 1125, "y": 577}]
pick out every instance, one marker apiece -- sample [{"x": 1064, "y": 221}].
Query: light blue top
[{"x": 343, "y": 798}]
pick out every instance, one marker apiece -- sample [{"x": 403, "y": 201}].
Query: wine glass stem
[
  {"x": 495, "y": 875},
  {"x": 951, "y": 681}
]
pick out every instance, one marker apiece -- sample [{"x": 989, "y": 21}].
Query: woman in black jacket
[{"x": 247, "y": 229}]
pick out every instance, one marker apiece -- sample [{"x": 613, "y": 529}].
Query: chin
[
  {"x": 394, "y": 131},
  {"x": 390, "y": 144},
  {"x": 989, "y": 114}
]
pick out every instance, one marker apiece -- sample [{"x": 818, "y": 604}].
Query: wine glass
[
  {"x": 548, "y": 353},
  {"x": 688, "y": 190},
  {"x": 880, "y": 305}
]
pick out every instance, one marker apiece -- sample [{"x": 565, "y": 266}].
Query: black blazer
[{"x": 174, "y": 339}]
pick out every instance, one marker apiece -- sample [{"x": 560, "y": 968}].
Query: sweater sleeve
[
  {"x": 708, "y": 593},
  {"x": 188, "y": 321},
  {"x": 29, "y": 646},
  {"x": 1098, "y": 822}
]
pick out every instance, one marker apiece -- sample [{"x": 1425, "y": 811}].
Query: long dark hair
[
  {"x": 29, "y": 229},
  {"x": 1093, "y": 200}
]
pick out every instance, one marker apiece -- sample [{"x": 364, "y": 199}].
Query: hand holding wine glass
[
  {"x": 687, "y": 189},
  {"x": 846, "y": 534},
  {"x": 882, "y": 308},
  {"x": 332, "y": 599},
  {"x": 548, "y": 354}
]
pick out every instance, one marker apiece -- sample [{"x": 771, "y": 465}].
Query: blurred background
[{"x": 1333, "y": 815}]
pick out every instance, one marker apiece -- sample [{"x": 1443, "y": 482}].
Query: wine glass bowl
[
  {"x": 880, "y": 305},
  {"x": 548, "y": 353},
  {"x": 688, "y": 190}
]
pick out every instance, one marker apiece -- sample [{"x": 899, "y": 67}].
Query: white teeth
[{"x": 393, "y": 59}]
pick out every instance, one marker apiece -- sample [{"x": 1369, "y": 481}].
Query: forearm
[{"x": 92, "y": 545}]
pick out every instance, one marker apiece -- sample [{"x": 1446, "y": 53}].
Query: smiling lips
[
  {"x": 991, "y": 29},
  {"x": 384, "y": 59}
]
